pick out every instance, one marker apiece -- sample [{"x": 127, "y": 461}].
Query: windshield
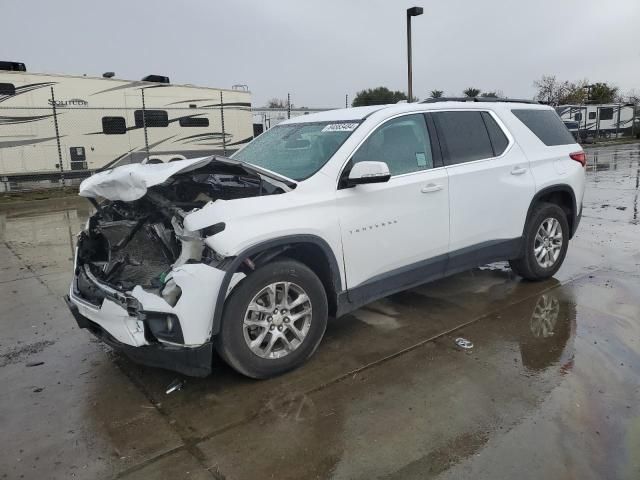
[{"x": 299, "y": 150}]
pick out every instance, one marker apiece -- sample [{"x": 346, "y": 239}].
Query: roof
[
  {"x": 121, "y": 80},
  {"x": 480, "y": 100},
  {"x": 360, "y": 113}
]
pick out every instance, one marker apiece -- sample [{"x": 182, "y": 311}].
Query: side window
[
  {"x": 403, "y": 143},
  {"x": 546, "y": 125},
  {"x": 592, "y": 115},
  {"x": 7, "y": 89},
  {"x": 499, "y": 140},
  {"x": 114, "y": 125},
  {"x": 606, "y": 113},
  {"x": 464, "y": 135},
  {"x": 153, "y": 118},
  {"x": 577, "y": 116},
  {"x": 193, "y": 122}
]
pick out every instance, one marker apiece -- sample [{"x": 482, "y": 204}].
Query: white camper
[
  {"x": 266, "y": 117},
  {"x": 54, "y": 123},
  {"x": 605, "y": 120}
]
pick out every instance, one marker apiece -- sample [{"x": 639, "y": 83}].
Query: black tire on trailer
[
  {"x": 274, "y": 320},
  {"x": 545, "y": 242}
]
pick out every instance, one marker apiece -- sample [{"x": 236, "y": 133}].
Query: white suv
[{"x": 315, "y": 218}]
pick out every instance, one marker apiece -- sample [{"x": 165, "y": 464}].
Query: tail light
[{"x": 579, "y": 157}]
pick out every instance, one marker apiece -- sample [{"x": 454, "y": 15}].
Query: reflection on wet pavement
[{"x": 550, "y": 388}]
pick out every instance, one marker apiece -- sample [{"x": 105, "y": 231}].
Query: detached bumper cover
[{"x": 195, "y": 362}]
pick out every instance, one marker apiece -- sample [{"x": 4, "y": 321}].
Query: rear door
[{"x": 490, "y": 186}]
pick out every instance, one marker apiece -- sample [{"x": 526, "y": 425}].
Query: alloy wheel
[
  {"x": 277, "y": 320},
  {"x": 548, "y": 242}
]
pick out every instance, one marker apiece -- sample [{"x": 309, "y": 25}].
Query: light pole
[{"x": 411, "y": 12}]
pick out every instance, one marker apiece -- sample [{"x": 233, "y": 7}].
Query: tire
[
  {"x": 250, "y": 313},
  {"x": 528, "y": 266}
]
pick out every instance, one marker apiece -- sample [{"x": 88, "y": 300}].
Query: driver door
[{"x": 395, "y": 234}]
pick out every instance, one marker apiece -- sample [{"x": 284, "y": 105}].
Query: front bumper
[
  {"x": 122, "y": 318},
  {"x": 192, "y": 361}
]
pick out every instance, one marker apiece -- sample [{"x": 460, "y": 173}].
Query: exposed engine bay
[{"x": 138, "y": 243}]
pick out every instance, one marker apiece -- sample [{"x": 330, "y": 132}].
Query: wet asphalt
[{"x": 550, "y": 389}]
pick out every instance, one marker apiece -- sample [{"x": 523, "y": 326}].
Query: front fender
[{"x": 232, "y": 266}]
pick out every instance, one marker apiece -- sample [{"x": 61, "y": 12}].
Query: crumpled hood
[{"x": 130, "y": 182}]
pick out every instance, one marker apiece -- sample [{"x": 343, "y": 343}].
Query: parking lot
[{"x": 550, "y": 388}]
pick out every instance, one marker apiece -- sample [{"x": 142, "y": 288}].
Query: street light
[{"x": 411, "y": 12}]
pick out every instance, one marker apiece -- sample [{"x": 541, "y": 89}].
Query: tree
[
  {"x": 471, "y": 92},
  {"x": 550, "y": 90},
  {"x": 377, "y": 96},
  {"x": 575, "y": 93},
  {"x": 632, "y": 97},
  {"x": 602, "y": 93},
  {"x": 492, "y": 94},
  {"x": 277, "y": 103},
  {"x": 436, "y": 94}
]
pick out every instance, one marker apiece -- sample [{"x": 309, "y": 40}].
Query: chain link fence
[
  {"x": 52, "y": 141},
  {"x": 265, "y": 118},
  {"x": 596, "y": 123}
]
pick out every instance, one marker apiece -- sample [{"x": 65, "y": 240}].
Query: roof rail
[{"x": 477, "y": 99}]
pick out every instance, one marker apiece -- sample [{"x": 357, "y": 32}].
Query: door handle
[
  {"x": 518, "y": 170},
  {"x": 432, "y": 187}
]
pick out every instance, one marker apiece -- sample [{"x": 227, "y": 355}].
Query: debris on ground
[
  {"x": 174, "y": 386},
  {"x": 34, "y": 364},
  {"x": 19, "y": 353},
  {"x": 464, "y": 343},
  {"x": 38, "y": 390}
]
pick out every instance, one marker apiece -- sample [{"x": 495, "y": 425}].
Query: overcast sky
[{"x": 321, "y": 50}]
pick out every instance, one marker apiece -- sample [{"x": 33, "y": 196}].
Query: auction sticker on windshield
[{"x": 340, "y": 127}]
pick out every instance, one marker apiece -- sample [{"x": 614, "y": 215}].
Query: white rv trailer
[
  {"x": 604, "y": 120},
  {"x": 98, "y": 122},
  {"x": 266, "y": 117}
]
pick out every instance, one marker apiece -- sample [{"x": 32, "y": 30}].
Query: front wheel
[
  {"x": 274, "y": 320},
  {"x": 546, "y": 238}
]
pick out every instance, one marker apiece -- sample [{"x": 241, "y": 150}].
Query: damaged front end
[{"x": 142, "y": 281}]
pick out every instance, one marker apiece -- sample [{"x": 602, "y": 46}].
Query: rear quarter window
[
  {"x": 546, "y": 125},
  {"x": 499, "y": 141}
]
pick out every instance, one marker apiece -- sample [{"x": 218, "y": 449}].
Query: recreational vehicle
[
  {"x": 267, "y": 117},
  {"x": 599, "y": 121},
  {"x": 75, "y": 125}
]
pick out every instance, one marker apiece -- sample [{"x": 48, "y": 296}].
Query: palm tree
[
  {"x": 436, "y": 93},
  {"x": 471, "y": 92}
]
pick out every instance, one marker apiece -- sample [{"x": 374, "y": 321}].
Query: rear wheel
[
  {"x": 274, "y": 320},
  {"x": 546, "y": 238}
]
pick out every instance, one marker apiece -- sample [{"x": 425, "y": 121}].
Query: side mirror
[{"x": 368, "y": 172}]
